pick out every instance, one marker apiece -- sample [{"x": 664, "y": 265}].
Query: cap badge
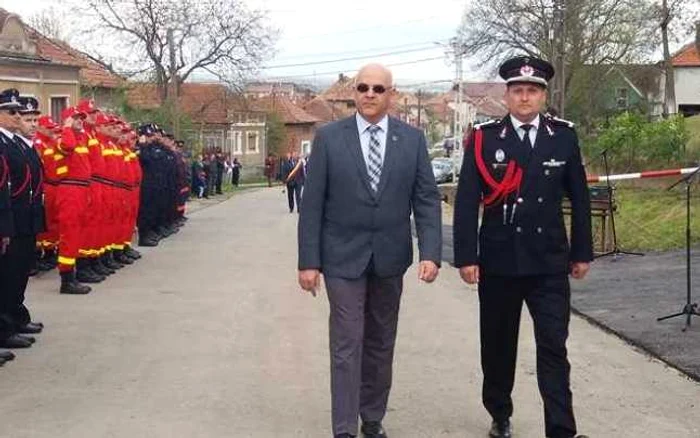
[
  {"x": 527, "y": 70},
  {"x": 30, "y": 107},
  {"x": 500, "y": 155},
  {"x": 13, "y": 99}
]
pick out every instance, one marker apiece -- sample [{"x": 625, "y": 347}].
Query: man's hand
[
  {"x": 428, "y": 271},
  {"x": 470, "y": 274},
  {"x": 309, "y": 280},
  {"x": 4, "y": 243},
  {"x": 579, "y": 269}
]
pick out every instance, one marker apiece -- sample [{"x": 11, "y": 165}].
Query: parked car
[{"x": 442, "y": 170}]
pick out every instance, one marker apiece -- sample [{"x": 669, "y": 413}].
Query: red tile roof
[
  {"x": 327, "y": 111},
  {"x": 687, "y": 56},
  {"x": 342, "y": 89},
  {"x": 290, "y": 113},
  {"x": 202, "y": 102},
  {"x": 92, "y": 73}
]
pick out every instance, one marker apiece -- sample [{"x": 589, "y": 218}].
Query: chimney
[{"x": 697, "y": 37}]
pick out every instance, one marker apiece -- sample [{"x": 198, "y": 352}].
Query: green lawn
[
  {"x": 693, "y": 125},
  {"x": 652, "y": 218}
]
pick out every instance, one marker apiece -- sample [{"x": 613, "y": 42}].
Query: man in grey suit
[{"x": 366, "y": 175}]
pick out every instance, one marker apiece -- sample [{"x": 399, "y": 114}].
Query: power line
[
  {"x": 362, "y": 29},
  {"x": 354, "y": 58},
  {"x": 416, "y": 61},
  {"x": 348, "y": 52}
]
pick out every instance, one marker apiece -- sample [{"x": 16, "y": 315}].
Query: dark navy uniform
[
  {"x": 523, "y": 253},
  {"x": 26, "y": 199}
]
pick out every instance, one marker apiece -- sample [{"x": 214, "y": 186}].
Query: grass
[
  {"x": 653, "y": 218},
  {"x": 693, "y": 126}
]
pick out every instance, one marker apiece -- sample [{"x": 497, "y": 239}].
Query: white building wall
[{"x": 687, "y": 85}]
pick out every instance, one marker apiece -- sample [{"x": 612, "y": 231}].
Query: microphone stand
[
  {"x": 616, "y": 251},
  {"x": 689, "y": 309}
]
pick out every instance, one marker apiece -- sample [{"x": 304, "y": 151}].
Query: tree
[
  {"x": 51, "y": 23},
  {"x": 171, "y": 40},
  {"x": 276, "y": 134},
  {"x": 568, "y": 33}
]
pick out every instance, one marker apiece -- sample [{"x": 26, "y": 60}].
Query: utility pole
[
  {"x": 457, "y": 129},
  {"x": 173, "y": 92},
  {"x": 558, "y": 43}
]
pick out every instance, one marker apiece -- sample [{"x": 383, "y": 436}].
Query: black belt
[
  {"x": 74, "y": 182},
  {"x": 109, "y": 182}
]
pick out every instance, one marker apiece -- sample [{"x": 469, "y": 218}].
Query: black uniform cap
[
  {"x": 526, "y": 69},
  {"x": 9, "y": 99},
  {"x": 29, "y": 105}
]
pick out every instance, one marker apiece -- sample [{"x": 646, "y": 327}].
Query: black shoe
[
  {"x": 111, "y": 263},
  {"x": 15, "y": 341},
  {"x": 121, "y": 257},
  {"x": 70, "y": 286},
  {"x": 501, "y": 429},
  {"x": 7, "y": 355},
  {"x": 30, "y": 329},
  {"x": 131, "y": 252},
  {"x": 101, "y": 269},
  {"x": 31, "y": 339},
  {"x": 343, "y": 435},
  {"x": 87, "y": 275},
  {"x": 33, "y": 271},
  {"x": 373, "y": 429},
  {"x": 43, "y": 265}
]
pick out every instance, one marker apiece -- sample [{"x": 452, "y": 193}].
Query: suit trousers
[
  {"x": 14, "y": 275},
  {"x": 294, "y": 194},
  {"x": 548, "y": 300},
  {"x": 363, "y": 320}
]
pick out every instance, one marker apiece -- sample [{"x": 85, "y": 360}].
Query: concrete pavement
[{"x": 209, "y": 336}]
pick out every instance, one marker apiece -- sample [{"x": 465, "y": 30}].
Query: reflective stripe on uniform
[
  {"x": 66, "y": 261},
  {"x": 48, "y": 151},
  {"x": 93, "y": 142},
  {"x": 61, "y": 170},
  {"x": 82, "y": 150}
]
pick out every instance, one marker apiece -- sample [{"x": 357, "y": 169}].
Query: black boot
[
  {"x": 110, "y": 262},
  {"x": 99, "y": 268},
  {"x": 69, "y": 285},
  {"x": 132, "y": 253},
  {"x": 85, "y": 274},
  {"x": 148, "y": 239},
  {"x": 120, "y": 257}
]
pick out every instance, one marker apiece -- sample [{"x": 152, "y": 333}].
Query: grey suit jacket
[{"x": 344, "y": 224}]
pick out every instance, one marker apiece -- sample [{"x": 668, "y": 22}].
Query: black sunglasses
[{"x": 363, "y": 88}]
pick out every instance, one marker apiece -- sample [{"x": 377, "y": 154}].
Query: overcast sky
[{"x": 317, "y": 31}]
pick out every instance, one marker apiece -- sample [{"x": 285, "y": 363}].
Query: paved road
[{"x": 208, "y": 336}]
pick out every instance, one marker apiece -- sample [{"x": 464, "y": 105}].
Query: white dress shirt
[
  {"x": 521, "y": 132},
  {"x": 365, "y": 135}
]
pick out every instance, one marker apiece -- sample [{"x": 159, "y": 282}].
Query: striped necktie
[{"x": 374, "y": 158}]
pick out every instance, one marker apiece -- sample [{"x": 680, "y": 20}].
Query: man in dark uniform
[
  {"x": 520, "y": 167},
  {"x": 26, "y": 186}
]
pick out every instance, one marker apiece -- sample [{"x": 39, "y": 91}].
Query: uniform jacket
[
  {"x": 26, "y": 186},
  {"x": 7, "y": 227},
  {"x": 531, "y": 240},
  {"x": 344, "y": 223}
]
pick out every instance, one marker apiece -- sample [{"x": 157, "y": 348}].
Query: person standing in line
[
  {"x": 367, "y": 174},
  {"x": 270, "y": 168},
  {"x": 236, "y": 172},
  {"x": 296, "y": 179},
  {"x": 520, "y": 167}
]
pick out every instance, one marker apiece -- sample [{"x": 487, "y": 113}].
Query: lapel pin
[
  {"x": 503, "y": 133},
  {"x": 394, "y": 138},
  {"x": 550, "y": 131}
]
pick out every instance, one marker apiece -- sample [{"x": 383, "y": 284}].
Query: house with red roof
[
  {"x": 686, "y": 70},
  {"x": 56, "y": 74}
]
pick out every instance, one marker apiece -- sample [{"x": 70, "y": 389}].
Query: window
[
  {"x": 237, "y": 139},
  {"x": 305, "y": 147},
  {"x": 253, "y": 142},
  {"x": 621, "y": 98},
  {"x": 213, "y": 139},
  {"x": 58, "y": 104}
]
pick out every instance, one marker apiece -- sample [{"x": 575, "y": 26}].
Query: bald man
[{"x": 366, "y": 175}]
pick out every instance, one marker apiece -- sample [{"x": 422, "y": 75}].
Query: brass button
[
  {"x": 540, "y": 200},
  {"x": 539, "y": 230},
  {"x": 520, "y": 200},
  {"x": 518, "y": 229}
]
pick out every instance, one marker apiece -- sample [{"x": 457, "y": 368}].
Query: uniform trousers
[
  {"x": 548, "y": 300},
  {"x": 14, "y": 275},
  {"x": 363, "y": 321},
  {"x": 73, "y": 203}
]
